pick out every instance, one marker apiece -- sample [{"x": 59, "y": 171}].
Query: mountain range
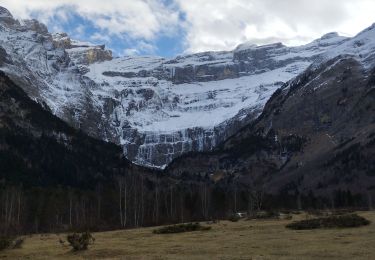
[
  {"x": 155, "y": 108},
  {"x": 294, "y": 123}
]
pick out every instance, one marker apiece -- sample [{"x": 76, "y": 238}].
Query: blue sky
[
  {"x": 83, "y": 29},
  {"x": 171, "y": 27}
]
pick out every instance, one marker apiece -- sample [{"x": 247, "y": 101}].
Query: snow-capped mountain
[{"x": 157, "y": 108}]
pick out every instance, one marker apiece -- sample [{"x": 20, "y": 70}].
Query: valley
[
  {"x": 245, "y": 239},
  {"x": 93, "y": 141}
]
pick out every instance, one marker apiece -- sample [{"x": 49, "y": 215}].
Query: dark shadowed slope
[{"x": 38, "y": 148}]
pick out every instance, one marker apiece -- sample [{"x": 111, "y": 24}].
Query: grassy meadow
[{"x": 245, "y": 239}]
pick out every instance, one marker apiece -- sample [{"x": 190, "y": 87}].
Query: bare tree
[
  {"x": 156, "y": 203},
  {"x": 119, "y": 182},
  {"x": 204, "y": 200},
  {"x": 125, "y": 201},
  {"x": 99, "y": 201},
  {"x": 70, "y": 195},
  {"x": 369, "y": 199}
]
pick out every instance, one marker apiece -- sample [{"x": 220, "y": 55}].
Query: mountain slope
[
  {"x": 37, "y": 148},
  {"x": 315, "y": 135},
  {"x": 156, "y": 108},
  {"x": 56, "y": 178}
]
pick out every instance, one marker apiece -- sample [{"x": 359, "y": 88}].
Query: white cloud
[
  {"x": 208, "y": 24},
  {"x": 141, "y": 47},
  {"x": 146, "y": 47},
  {"x": 80, "y": 29},
  {"x": 130, "y": 52},
  {"x": 143, "y": 19},
  {"x": 223, "y": 24},
  {"x": 100, "y": 37}
]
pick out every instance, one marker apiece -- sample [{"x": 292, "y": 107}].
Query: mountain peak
[
  {"x": 6, "y": 18},
  {"x": 330, "y": 35},
  {"x": 245, "y": 46},
  {"x": 4, "y": 13}
]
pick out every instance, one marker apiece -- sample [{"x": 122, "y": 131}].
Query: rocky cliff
[
  {"x": 156, "y": 108},
  {"x": 315, "y": 136}
]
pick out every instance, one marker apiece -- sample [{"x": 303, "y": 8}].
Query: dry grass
[{"x": 255, "y": 239}]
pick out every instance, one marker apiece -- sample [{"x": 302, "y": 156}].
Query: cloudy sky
[{"x": 171, "y": 27}]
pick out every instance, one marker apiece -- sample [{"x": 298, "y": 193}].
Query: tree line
[{"x": 131, "y": 200}]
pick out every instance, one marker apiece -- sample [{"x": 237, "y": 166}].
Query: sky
[{"x": 171, "y": 27}]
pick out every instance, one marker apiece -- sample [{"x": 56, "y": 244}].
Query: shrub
[
  {"x": 265, "y": 215},
  {"x": 234, "y": 218},
  {"x": 180, "y": 228},
  {"x": 80, "y": 241},
  {"x": 8, "y": 242},
  {"x": 342, "y": 211},
  {"x": 5, "y": 242},
  {"x": 334, "y": 221},
  {"x": 18, "y": 243}
]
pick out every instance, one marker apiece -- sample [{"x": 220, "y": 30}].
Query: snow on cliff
[{"x": 158, "y": 108}]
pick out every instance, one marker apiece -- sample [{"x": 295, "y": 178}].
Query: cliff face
[
  {"x": 156, "y": 108},
  {"x": 315, "y": 135},
  {"x": 162, "y": 109}
]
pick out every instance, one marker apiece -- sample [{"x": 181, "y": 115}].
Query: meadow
[{"x": 245, "y": 239}]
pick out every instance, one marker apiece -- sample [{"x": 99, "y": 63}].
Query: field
[{"x": 254, "y": 239}]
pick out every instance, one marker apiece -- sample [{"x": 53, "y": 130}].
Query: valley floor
[{"x": 254, "y": 239}]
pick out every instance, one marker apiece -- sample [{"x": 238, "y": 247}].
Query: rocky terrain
[
  {"x": 156, "y": 108},
  {"x": 316, "y": 134}
]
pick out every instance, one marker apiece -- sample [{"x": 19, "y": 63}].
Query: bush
[
  {"x": 18, "y": 243},
  {"x": 180, "y": 228},
  {"x": 7, "y": 242},
  {"x": 335, "y": 221},
  {"x": 265, "y": 215},
  {"x": 342, "y": 211},
  {"x": 80, "y": 241},
  {"x": 234, "y": 218}
]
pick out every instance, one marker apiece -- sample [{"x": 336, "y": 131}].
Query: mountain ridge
[
  {"x": 261, "y": 127},
  {"x": 156, "y": 108},
  {"x": 315, "y": 136}
]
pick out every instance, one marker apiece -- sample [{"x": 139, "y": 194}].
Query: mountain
[
  {"x": 56, "y": 178},
  {"x": 156, "y": 108},
  {"x": 259, "y": 127},
  {"x": 39, "y": 149},
  {"x": 316, "y": 134}
]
